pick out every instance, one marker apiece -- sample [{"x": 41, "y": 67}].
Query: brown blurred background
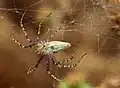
[{"x": 90, "y": 32}]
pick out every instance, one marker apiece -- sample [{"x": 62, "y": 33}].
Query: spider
[{"x": 46, "y": 47}]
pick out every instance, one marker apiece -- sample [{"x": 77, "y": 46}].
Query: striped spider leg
[
  {"x": 21, "y": 45},
  {"x": 32, "y": 43},
  {"x": 49, "y": 72},
  {"x": 22, "y": 27},
  {"x": 40, "y": 25},
  {"x": 61, "y": 64},
  {"x": 24, "y": 30},
  {"x": 32, "y": 69}
]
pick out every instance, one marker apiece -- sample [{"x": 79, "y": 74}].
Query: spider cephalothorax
[{"x": 46, "y": 47}]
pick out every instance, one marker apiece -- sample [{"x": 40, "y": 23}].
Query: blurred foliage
[{"x": 77, "y": 84}]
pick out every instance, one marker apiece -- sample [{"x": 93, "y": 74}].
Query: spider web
[
  {"x": 88, "y": 19},
  {"x": 92, "y": 19},
  {"x": 95, "y": 22},
  {"x": 84, "y": 17}
]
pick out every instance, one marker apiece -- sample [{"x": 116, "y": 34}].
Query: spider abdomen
[
  {"x": 52, "y": 46},
  {"x": 55, "y": 46}
]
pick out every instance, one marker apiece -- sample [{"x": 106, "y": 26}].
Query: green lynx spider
[{"x": 46, "y": 47}]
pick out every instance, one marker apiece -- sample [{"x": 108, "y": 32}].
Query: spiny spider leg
[
  {"x": 61, "y": 64},
  {"x": 22, "y": 26},
  {"x": 49, "y": 72},
  {"x": 21, "y": 45},
  {"x": 67, "y": 60},
  {"x": 40, "y": 24},
  {"x": 32, "y": 69},
  {"x": 75, "y": 65}
]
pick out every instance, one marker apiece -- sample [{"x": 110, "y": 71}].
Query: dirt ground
[{"x": 89, "y": 29}]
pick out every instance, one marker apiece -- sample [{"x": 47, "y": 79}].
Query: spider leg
[
  {"x": 61, "y": 64},
  {"x": 22, "y": 26},
  {"x": 32, "y": 69},
  {"x": 40, "y": 25},
  {"x": 74, "y": 65},
  {"x": 67, "y": 60},
  {"x": 21, "y": 45},
  {"x": 49, "y": 72}
]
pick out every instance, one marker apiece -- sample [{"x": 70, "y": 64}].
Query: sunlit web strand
[
  {"x": 34, "y": 10},
  {"x": 87, "y": 33}
]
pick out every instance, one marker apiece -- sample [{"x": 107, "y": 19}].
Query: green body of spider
[{"x": 52, "y": 47}]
